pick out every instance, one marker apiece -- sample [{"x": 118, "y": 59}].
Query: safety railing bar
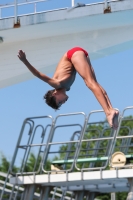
[
  {"x": 70, "y": 145},
  {"x": 97, "y": 122},
  {"x": 101, "y": 2},
  {"x": 127, "y": 108},
  {"x": 65, "y": 125},
  {"x": 129, "y": 141},
  {"x": 72, "y": 3},
  {"x": 24, "y": 173},
  {"x": 113, "y": 142},
  {"x": 80, "y": 143},
  {"x": 12, "y": 5},
  {"x": 80, "y": 156},
  {"x": 102, "y": 148},
  {"x": 28, "y": 145},
  {"x": 126, "y": 136},
  {"x": 32, "y": 145},
  {"x": 35, "y": 11},
  {"x": 40, "y": 117},
  {"x": 0, "y": 13},
  {"x": 88, "y": 146},
  {"x": 124, "y": 146},
  {"x": 109, "y": 142},
  {"x": 126, "y": 119},
  {"x": 87, "y": 140},
  {"x": 24, "y": 161},
  {"x": 111, "y": 147},
  {"x": 30, "y": 131},
  {"x": 45, "y": 154},
  {"x": 31, "y": 142},
  {"x": 52, "y": 133},
  {"x": 24, "y": 3},
  {"x": 11, "y": 185},
  {"x": 124, "y": 142},
  {"x": 96, "y": 139},
  {"x": 67, "y": 142},
  {"x": 14, "y": 157},
  {"x": 98, "y": 168},
  {"x": 76, "y": 151},
  {"x": 23, "y": 147},
  {"x": 118, "y": 137},
  {"x": 26, "y": 151},
  {"x": 39, "y": 151},
  {"x": 98, "y": 143},
  {"x": 69, "y": 114},
  {"x": 32, "y": 13}
]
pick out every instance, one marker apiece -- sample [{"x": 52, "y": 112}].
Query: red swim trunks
[{"x": 73, "y": 50}]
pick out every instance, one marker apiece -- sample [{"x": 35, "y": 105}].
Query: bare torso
[{"x": 65, "y": 73}]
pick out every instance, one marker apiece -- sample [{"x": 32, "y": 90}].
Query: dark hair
[{"x": 50, "y": 99}]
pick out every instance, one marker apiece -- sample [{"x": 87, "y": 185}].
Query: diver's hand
[{"x": 21, "y": 55}]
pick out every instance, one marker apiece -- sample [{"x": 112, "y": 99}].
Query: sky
[{"x": 114, "y": 73}]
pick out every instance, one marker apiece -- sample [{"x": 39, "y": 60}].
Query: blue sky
[{"x": 25, "y": 99}]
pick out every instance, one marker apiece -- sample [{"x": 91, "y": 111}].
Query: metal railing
[
  {"x": 17, "y": 5},
  {"x": 73, "y": 146}
]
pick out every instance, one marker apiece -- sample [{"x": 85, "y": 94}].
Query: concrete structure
[{"x": 46, "y": 36}]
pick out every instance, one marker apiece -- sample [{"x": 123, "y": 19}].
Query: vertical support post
[
  {"x": 16, "y": 11},
  {"x": 45, "y": 192},
  {"x": 79, "y": 195},
  {"x": 35, "y": 8},
  {"x": 113, "y": 196},
  {"x": 72, "y": 3},
  {"x": 29, "y": 192},
  {"x": 90, "y": 195},
  {"x": 130, "y": 194},
  {"x": 0, "y": 13},
  {"x": 105, "y": 4}
]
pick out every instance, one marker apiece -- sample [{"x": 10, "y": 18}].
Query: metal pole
[
  {"x": 29, "y": 192},
  {"x": 0, "y": 13},
  {"x": 113, "y": 196},
  {"x": 130, "y": 193},
  {"x": 35, "y": 8},
  {"x": 72, "y": 3},
  {"x": 16, "y": 11},
  {"x": 105, "y": 4}
]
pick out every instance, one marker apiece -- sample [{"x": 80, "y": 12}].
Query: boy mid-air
[{"x": 74, "y": 60}]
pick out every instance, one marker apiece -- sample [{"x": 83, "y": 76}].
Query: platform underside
[{"x": 46, "y": 36}]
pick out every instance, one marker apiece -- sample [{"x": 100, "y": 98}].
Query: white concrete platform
[
  {"x": 46, "y": 36},
  {"x": 95, "y": 181}
]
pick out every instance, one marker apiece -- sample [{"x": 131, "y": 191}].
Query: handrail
[
  {"x": 16, "y": 4},
  {"x": 35, "y": 2}
]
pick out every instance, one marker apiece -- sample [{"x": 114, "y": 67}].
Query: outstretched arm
[{"x": 52, "y": 82}]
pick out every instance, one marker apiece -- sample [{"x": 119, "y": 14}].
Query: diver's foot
[{"x": 112, "y": 118}]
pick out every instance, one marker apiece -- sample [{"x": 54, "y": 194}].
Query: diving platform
[
  {"x": 106, "y": 181},
  {"x": 102, "y": 29},
  {"x": 75, "y": 155}
]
